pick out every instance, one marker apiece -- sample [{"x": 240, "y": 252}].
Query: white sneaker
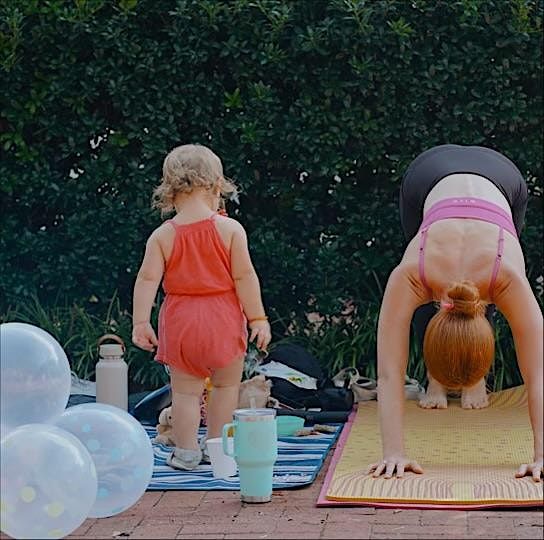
[
  {"x": 413, "y": 389},
  {"x": 364, "y": 389},
  {"x": 184, "y": 460},
  {"x": 82, "y": 387},
  {"x": 346, "y": 374}
]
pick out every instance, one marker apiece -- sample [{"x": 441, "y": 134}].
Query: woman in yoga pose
[{"x": 462, "y": 210}]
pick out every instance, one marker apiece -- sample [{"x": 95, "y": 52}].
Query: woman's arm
[
  {"x": 402, "y": 296},
  {"x": 248, "y": 288},
  {"x": 520, "y": 307},
  {"x": 145, "y": 291}
]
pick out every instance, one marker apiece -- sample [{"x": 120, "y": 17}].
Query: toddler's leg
[
  {"x": 186, "y": 392},
  {"x": 224, "y": 396}
]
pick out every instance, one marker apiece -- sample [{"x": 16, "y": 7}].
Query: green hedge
[{"x": 315, "y": 106}]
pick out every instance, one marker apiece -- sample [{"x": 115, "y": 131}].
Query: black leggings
[{"x": 431, "y": 166}]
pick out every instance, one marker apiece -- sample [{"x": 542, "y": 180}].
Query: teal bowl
[{"x": 288, "y": 425}]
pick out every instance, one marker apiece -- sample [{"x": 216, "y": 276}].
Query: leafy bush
[{"x": 315, "y": 106}]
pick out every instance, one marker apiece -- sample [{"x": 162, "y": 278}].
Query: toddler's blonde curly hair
[{"x": 186, "y": 168}]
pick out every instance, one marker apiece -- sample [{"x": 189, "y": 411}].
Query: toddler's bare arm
[
  {"x": 145, "y": 291},
  {"x": 248, "y": 287}
]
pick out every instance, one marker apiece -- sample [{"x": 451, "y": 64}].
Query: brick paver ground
[
  {"x": 292, "y": 514},
  {"x": 207, "y": 515}
]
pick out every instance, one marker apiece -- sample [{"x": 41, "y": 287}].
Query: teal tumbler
[{"x": 255, "y": 451}]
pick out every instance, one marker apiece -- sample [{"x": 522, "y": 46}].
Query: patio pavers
[
  {"x": 210, "y": 515},
  {"x": 292, "y": 514}
]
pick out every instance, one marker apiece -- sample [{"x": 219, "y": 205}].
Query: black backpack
[{"x": 326, "y": 397}]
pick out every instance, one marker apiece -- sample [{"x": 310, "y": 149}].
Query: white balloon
[
  {"x": 121, "y": 450},
  {"x": 34, "y": 376},
  {"x": 48, "y": 482}
]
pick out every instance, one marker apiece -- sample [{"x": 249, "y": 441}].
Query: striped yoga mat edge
[{"x": 299, "y": 461}]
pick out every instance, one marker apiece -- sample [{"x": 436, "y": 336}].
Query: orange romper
[{"x": 201, "y": 323}]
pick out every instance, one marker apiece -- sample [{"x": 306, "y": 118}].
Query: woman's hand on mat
[
  {"x": 535, "y": 470},
  {"x": 260, "y": 331},
  {"x": 388, "y": 466},
  {"x": 143, "y": 336}
]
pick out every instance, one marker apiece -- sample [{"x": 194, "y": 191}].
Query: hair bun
[{"x": 466, "y": 299}]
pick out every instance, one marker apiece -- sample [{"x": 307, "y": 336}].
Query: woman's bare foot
[
  {"x": 436, "y": 396},
  {"x": 475, "y": 397}
]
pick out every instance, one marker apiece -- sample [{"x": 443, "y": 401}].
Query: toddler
[{"x": 212, "y": 295}]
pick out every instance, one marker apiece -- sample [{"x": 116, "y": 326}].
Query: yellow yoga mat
[{"x": 469, "y": 457}]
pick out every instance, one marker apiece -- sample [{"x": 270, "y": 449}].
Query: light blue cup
[{"x": 255, "y": 451}]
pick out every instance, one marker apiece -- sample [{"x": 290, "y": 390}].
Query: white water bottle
[{"x": 112, "y": 373}]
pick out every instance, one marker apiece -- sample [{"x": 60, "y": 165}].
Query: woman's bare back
[{"x": 459, "y": 249}]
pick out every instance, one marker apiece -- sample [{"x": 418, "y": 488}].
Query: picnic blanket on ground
[
  {"x": 299, "y": 461},
  {"x": 469, "y": 458}
]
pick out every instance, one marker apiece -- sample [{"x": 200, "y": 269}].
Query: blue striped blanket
[{"x": 299, "y": 461}]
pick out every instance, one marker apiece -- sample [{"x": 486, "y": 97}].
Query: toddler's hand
[
  {"x": 260, "y": 330},
  {"x": 143, "y": 336}
]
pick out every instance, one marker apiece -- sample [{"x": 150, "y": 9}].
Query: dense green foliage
[{"x": 315, "y": 106}]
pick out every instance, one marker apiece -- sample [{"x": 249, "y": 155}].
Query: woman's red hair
[{"x": 459, "y": 345}]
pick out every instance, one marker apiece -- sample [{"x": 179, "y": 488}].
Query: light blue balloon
[
  {"x": 48, "y": 482},
  {"x": 35, "y": 376},
  {"x": 121, "y": 451}
]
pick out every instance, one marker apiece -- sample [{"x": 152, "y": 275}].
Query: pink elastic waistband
[{"x": 469, "y": 208}]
